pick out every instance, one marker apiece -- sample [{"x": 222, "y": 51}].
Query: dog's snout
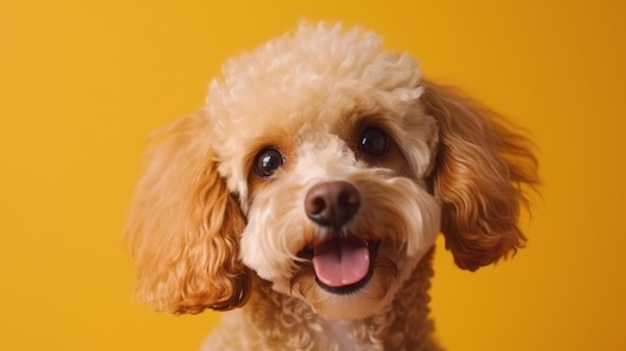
[{"x": 332, "y": 204}]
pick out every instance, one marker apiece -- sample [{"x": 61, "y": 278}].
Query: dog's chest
[{"x": 342, "y": 336}]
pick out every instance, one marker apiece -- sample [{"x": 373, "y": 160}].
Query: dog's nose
[{"x": 332, "y": 204}]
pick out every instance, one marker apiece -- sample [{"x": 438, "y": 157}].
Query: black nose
[{"x": 332, "y": 204}]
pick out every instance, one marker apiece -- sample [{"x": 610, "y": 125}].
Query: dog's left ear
[{"x": 482, "y": 170}]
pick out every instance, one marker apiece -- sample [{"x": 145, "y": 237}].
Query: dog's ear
[
  {"x": 184, "y": 226},
  {"x": 481, "y": 174}
]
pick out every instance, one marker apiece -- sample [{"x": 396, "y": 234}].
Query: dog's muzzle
[{"x": 343, "y": 262}]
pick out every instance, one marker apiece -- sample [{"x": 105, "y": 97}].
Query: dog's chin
[
  {"x": 370, "y": 298},
  {"x": 349, "y": 290}
]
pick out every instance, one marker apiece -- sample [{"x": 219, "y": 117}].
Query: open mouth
[{"x": 343, "y": 264}]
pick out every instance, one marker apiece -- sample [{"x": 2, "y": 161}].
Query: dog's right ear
[{"x": 184, "y": 226}]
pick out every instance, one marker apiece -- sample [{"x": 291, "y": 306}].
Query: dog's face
[
  {"x": 331, "y": 172},
  {"x": 326, "y": 166},
  {"x": 329, "y": 155}
]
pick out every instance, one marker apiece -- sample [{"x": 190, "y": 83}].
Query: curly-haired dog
[{"x": 306, "y": 195}]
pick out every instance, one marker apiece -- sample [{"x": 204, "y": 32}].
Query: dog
[{"x": 305, "y": 196}]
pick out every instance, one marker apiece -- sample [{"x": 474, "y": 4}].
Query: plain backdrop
[{"x": 82, "y": 83}]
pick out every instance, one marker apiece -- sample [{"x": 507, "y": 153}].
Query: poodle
[{"x": 305, "y": 197}]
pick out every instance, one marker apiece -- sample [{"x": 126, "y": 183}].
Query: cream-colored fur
[{"x": 225, "y": 214}]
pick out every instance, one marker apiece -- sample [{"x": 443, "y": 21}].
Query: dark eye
[
  {"x": 267, "y": 162},
  {"x": 374, "y": 141}
]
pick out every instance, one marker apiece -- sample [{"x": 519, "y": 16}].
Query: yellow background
[{"x": 82, "y": 83}]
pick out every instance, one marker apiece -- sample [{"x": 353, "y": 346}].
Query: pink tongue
[{"x": 341, "y": 262}]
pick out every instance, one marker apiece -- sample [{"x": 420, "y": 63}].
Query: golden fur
[{"x": 208, "y": 231}]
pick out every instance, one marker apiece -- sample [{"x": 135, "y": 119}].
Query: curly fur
[{"x": 206, "y": 231}]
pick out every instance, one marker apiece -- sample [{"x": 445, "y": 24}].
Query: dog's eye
[
  {"x": 374, "y": 141},
  {"x": 267, "y": 162}
]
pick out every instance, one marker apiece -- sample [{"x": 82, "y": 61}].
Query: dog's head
[{"x": 326, "y": 166}]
